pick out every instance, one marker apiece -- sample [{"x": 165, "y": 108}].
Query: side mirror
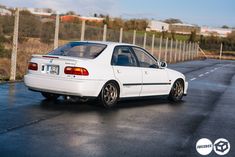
[{"x": 162, "y": 65}]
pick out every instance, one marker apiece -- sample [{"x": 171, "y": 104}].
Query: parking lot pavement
[{"x": 31, "y": 126}]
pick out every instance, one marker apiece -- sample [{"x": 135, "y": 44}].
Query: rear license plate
[{"x": 53, "y": 69}]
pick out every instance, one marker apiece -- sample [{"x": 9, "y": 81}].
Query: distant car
[{"x": 105, "y": 70}]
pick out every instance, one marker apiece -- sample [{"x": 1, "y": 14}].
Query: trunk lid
[{"x": 51, "y": 65}]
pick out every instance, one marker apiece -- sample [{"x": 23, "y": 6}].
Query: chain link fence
[{"x": 44, "y": 35}]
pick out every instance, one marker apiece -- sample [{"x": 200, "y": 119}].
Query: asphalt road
[{"x": 30, "y": 126}]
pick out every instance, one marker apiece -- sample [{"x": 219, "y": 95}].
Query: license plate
[{"x": 53, "y": 69}]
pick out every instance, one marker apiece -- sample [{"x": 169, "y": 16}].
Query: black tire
[
  {"x": 177, "y": 91},
  {"x": 50, "y": 96},
  {"x": 109, "y": 94}
]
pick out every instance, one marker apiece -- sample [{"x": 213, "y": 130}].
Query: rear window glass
[{"x": 80, "y": 50}]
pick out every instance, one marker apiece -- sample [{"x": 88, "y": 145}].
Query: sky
[{"x": 215, "y": 13}]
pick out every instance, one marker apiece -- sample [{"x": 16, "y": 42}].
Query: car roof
[{"x": 109, "y": 43}]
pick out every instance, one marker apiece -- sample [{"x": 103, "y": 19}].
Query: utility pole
[
  {"x": 57, "y": 25},
  {"x": 15, "y": 46}
]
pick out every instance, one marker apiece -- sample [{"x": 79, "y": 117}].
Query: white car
[{"x": 106, "y": 70}]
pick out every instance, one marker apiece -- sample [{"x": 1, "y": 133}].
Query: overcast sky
[{"x": 201, "y": 12}]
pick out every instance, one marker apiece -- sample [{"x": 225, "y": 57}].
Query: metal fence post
[
  {"x": 153, "y": 38},
  {"x": 134, "y": 36},
  {"x": 120, "y": 37},
  {"x": 171, "y": 51},
  {"x": 221, "y": 51},
  {"x": 189, "y": 51},
  {"x": 183, "y": 53},
  {"x": 57, "y": 25},
  {"x": 176, "y": 50},
  {"x": 187, "y": 46},
  {"x": 193, "y": 51},
  {"x": 83, "y": 30},
  {"x": 105, "y": 32},
  {"x": 160, "y": 49},
  {"x": 15, "y": 46},
  {"x": 197, "y": 50},
  {"x": 145, "y": 36},
  {"x": 166, "y": 49},
  {"x": 180, "y": 52}
]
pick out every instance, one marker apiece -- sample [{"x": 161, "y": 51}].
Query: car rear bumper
[{"x": 64, "y": 86}]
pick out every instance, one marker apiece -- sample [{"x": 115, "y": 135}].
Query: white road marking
[
  {"x": 215, "y": 68},
  {"x": 207, "y": 72},
  {"x": 201, "y": 75},
  {"x": 192, "y": 79},
  {"x": 212, "y": 70}
]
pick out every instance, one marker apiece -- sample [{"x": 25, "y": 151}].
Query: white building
[
  {"x": 4, "y": 12},
  {"x": 221, "y": 32},
  {"x": 158, "y": 26},
  {"x": 96, "y": 19},
  {"x": 184, "y": 28},
  {"x": 40, "y": 11}
]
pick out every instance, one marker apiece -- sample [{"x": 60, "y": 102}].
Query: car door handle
[
  {"x": 118, "y": 71},
  {"x": 145, "y": 72}
]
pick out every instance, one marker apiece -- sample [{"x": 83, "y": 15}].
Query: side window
[
  {"x": 123, "y": 56},
  {"x": 144, "y": 59}
]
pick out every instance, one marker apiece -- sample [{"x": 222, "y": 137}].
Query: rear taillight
[
  {"x": 32, "y": 66},
  {"x": 76, "y": 71}
]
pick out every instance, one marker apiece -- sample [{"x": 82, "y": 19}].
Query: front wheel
[
  {"x": 177, "y": 91},
  {"x": 50, "y": 96},
  {"x": 109, "y": 94}
]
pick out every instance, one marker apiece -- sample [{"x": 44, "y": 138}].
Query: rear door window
[{"x": 123, "y": 56}]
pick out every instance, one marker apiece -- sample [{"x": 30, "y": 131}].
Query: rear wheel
[
  {"x": 109, "y": 94},
  {"x": 177, "y": 91},
  {"x": 50, "y": 96}
]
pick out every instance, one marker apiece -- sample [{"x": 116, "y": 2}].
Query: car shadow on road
[{"x": 95, "y": 105}]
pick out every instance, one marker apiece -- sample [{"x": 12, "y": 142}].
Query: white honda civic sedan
[{"x": 105, "y": 70}]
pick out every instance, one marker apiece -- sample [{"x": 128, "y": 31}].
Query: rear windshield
[{"x": 80, "y": 50}]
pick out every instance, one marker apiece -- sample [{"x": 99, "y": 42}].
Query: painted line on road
[
  {"x": 207, "y": 72},
  {"x": 212, "y": 71},
  {"x": 201, "y": 75},
  {"x": 193, "y": 79}
]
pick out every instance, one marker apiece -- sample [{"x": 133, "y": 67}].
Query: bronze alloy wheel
[
  {"x": 177, "y": 91},
  {"x": 109, "y": 94}
]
